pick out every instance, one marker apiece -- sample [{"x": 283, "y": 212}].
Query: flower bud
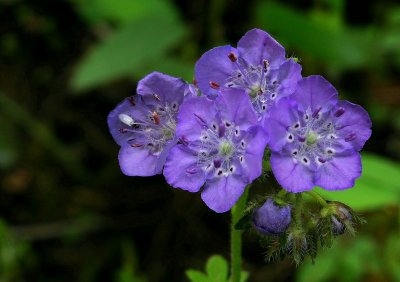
[{"x": 271, "y": 219}]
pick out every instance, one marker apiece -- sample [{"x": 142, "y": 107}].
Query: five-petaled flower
[
  {"x": 144, "y": 125},
  {"x": 258, "y": 65},
  {"x": 221, "y": 148},
  {"x": 315, "y": 139}
]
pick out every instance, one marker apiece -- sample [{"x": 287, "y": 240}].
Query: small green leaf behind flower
[{"x": 217, "y": 270}]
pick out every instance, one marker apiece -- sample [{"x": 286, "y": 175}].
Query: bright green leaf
[
  {"x": 196, "y": 276},
  {"x": 126, "y": 51},
  {"x": 217, "y": 269},
  {"x": 121, "y": 11}
]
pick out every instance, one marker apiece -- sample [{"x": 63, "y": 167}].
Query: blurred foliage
[
  {"x": 72, "y": 216},
  {"x": 216, "y": 271}
]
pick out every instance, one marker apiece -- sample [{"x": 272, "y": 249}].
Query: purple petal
[
  {"x": 257, "y": 45},
  {"x": 315, "y": 92},
  {"x": 257, "y": 139},
  {"x": 339, "y": 173},
  {"x": 181, "y": 170},
  {"x": 134, "y": 107},
  {"x": 214, "y": 66},
  {"x": 292, "y": 176},
  {"x": 194, "y": 114},
  {"x": 289, "y": 74},
  {"x": 167, "y": 89},
  {"x": 354, "y": 123},
  {"x": 220, "y": 194},
  {"x": 236, "y": 107},
  {"x": 138, "y": 162},
  {"x": 282, "y": 116}
]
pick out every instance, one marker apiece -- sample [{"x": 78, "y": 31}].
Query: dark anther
[
  {"x": 305, "y": 160},
  {"x": 227, "y": 123},
  {"x": 316, "y": 112},
  {"x": 339, "y": 112},
  {"x": 265, "y": 64},
  {"x": 294, "y": 153},
  {"x": 136, "y": 145},
  {"x": 239, "y": 75},
  {"x": 290, "y": 137},
  {"x": 297, "y": 125},
  {"x": 232, "y": 57},
  {"x": 156, "y": 97},
  {"x": 302, "y": 139},
  {"x": 217, "y": 163},
  {"x": 156, "y": 117},
  {"x": 214, "y": 126},
  {"x": 231, "y": 169},
  {"x": 182, "y": 140},
  {"x": 230, "y": 84},
  {"x": 131, "y": 100},
  {"x": 174, "y": 106},
  {"x": 350, "y": 137},
  {"x": 306, "y": 117},
  {"x": 321, "y": 160},
  {"x": 329, "y": 151},
  {"x": 220, "y": 172},
  {"x": 214, "y": 85}
]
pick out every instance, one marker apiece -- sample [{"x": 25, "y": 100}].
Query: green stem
[
  {"x": 317, "y": 197},
  {"x": 236, "y": 237},
  {"x": 299, "y": 209}
]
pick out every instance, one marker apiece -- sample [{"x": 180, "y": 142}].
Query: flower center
[
  {"x": 153, "y": 129},
  {"x": 225, "y": 148},
  {"x": 311, "y": 138}
]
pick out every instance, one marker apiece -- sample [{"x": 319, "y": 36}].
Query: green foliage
[
  {"x": 362, "y": 257},
  {"x": 378, "y": 186},
  {"x": 13, "y": 255},
  {"x": 128, "y": 272},
  {"x": 217, "y": 270},
  {"x": 128, "y": 50},
  {"x": 121, "y": 11},
  {"x": 328, "y": 43},
  {"x": 8, "y": 146}
]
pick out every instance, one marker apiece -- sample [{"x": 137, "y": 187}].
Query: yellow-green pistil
[
  {"x": 311, "y": 138},
  {"x": 225, "y": 148}
]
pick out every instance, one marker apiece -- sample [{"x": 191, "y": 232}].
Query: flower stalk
[{"x": 236, "y": 237}]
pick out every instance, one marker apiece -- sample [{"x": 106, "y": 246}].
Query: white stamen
[{"x": 124, "y": 118}]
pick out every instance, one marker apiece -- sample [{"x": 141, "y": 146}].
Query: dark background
[{"x": 69, "y": 214}]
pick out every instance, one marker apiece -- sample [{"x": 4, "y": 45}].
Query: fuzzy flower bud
[{"x": 271, "y": 219}]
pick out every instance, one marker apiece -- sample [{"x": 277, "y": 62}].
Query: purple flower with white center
[
  {"x": 258, "y": 66},
  {"x": 271, "y": 219},
  {"x": 144, "y": 125},
  {"x": 315, "y": 139},
  {"x": 220, "y": 148}
]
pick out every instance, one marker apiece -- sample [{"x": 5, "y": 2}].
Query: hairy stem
[{"x": 236, "y": 237}]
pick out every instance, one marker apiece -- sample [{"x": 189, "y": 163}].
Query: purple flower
[
  {"x": 220, "y": 148},
  {"x": 258, "y": 66},
  {"x": 315, "y": 139},
  {"x": 144, "y": 125},
  {"x": 271, "y": 219}
]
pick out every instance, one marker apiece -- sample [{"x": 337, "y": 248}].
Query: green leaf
[
  {"x": 244, "y": 275},
  {"x": 217, "y": 269},
  {"x": 127, "y": 50},
  {"x": 378, "y": 186},
  {"x": 196, "y": 276},
  {"x": 338, "y": 48},
  {"x": 120, "y": 11}
]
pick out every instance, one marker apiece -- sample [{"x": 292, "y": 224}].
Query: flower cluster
[{"x": 211, "y": 136}]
